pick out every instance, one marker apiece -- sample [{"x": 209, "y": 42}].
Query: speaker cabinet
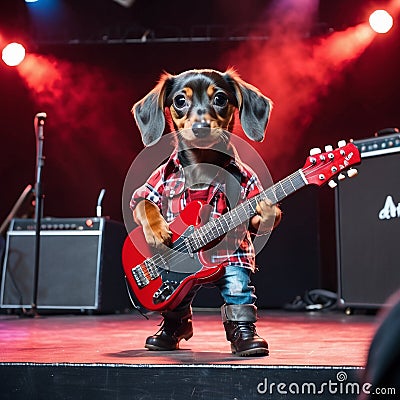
[
  {"x": 80, "y": 265},
  {"x": 368, "y": 231}
]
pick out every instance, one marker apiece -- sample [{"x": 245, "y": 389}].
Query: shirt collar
[{"x": 174, "y": 175}]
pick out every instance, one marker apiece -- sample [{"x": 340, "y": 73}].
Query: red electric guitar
[{"x": 161, "y": 280}]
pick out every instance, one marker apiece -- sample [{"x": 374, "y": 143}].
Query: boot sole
[
  {"x": 158, "y": 348},
  {"x": 154, "y": 347},
  {"x": 256, "y": 352}
]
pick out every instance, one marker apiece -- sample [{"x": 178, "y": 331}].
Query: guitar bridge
[
  {"x": 139, "y": 276},
  {"x": 148, "y": 270}
]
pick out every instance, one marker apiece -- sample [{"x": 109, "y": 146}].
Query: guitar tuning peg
[
  {"x": 341, "y": 143},
  {"x": 352, "y": 172},
  {"x": 341, "y": 176},
  {"x": 328, "y": 148},
  {"x": 332, "y": 184},
  {"x": 315, "y": 151}
]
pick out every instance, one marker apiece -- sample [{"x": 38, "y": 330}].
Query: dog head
[{"x": 202, "y": 105}]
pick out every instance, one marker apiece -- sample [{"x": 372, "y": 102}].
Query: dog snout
[{"x": 201, "y": 129}]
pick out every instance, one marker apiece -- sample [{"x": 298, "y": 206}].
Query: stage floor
[{"x": 295, "y": 339}]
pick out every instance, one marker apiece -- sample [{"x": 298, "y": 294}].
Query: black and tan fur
[{"x": 200, "y": 106}]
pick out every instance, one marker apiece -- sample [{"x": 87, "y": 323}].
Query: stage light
[
  {"x": 125, "y": 3},
  {"x": 381, "y": 21},
  {"x": 31, "y": 1},
  {"x": 13, "y": 54}
]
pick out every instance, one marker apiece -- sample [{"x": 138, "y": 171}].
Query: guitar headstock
[{"x": 321, "y": 167}]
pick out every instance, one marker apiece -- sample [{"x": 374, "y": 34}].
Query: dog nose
[{"x": 201, "y": 129}]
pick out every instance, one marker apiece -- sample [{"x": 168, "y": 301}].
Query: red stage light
[
  {"x": 13, "y": 54},
  {"x": 381, "y": 21}
]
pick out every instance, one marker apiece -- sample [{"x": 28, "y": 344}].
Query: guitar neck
[
  {"x": 217, "y": 227},
  {"x": 283, "y": 188}
]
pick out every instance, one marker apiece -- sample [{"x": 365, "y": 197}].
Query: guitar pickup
[
  {"x": 139, "y": 276},
  {"x": 152, "y": 266}
]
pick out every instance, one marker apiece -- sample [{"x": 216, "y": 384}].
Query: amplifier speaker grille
[
  {"x": 78, "y": 270},
  {"x": 368, "y": 245}
]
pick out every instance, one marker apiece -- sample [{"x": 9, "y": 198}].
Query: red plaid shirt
[{"x": 166, "y": 188}]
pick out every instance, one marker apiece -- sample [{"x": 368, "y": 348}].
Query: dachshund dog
[{"x": 200, "y": 106}]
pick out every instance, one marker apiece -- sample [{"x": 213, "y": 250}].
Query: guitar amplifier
[
  {"x": 368, "y": 226},
  {"x": 79, "y": 269}
]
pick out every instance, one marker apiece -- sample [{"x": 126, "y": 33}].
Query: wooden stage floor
[
  {"x": 328, "y": 338},
  {"x": 97, "y": 356}
]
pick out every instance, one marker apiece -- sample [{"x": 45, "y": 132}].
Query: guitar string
[{"x": 174, "y": 255}]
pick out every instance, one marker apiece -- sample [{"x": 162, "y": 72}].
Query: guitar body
[{"x": 161, "y": 281}]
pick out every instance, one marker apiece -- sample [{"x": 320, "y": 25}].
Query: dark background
[{"x": 91, "y": 60}]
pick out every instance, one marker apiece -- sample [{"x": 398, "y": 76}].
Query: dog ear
[
  {"x": 254, "y": 107},
  {"x": 149, "y": 112}
]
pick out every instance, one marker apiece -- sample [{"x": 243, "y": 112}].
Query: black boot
[
  {"x": 241, "y": 332},
  {"x": 177, "y": 325}
]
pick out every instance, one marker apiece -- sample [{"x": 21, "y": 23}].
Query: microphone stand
[
  {"x": 99, "y": 211},
  {"x": 39, "y": 124}
]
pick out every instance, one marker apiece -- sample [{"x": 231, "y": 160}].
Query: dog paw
[
  {"x": 268, "y": 216},
  {"x": 158, "y": 234}
]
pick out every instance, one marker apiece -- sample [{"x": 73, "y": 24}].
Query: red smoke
[
  {"x": 295, "y": 70},
  {"x": 292, "y": 68},
  {"x": 43, "y": 77},
  {"x": 77, "y": 97},
  {"x": 86, "y": 142}
]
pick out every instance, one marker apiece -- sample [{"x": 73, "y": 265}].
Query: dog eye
[
  {"x": 220, "y": 100},
  {"x": 180, "y": 101}
]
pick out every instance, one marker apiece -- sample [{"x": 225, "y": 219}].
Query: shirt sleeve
[
  {"x": 151, "y": 190},
  {"x": 252, "y": 185}
]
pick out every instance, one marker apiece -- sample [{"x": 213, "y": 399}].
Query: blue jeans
[{"x": 235, "y": 288}]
